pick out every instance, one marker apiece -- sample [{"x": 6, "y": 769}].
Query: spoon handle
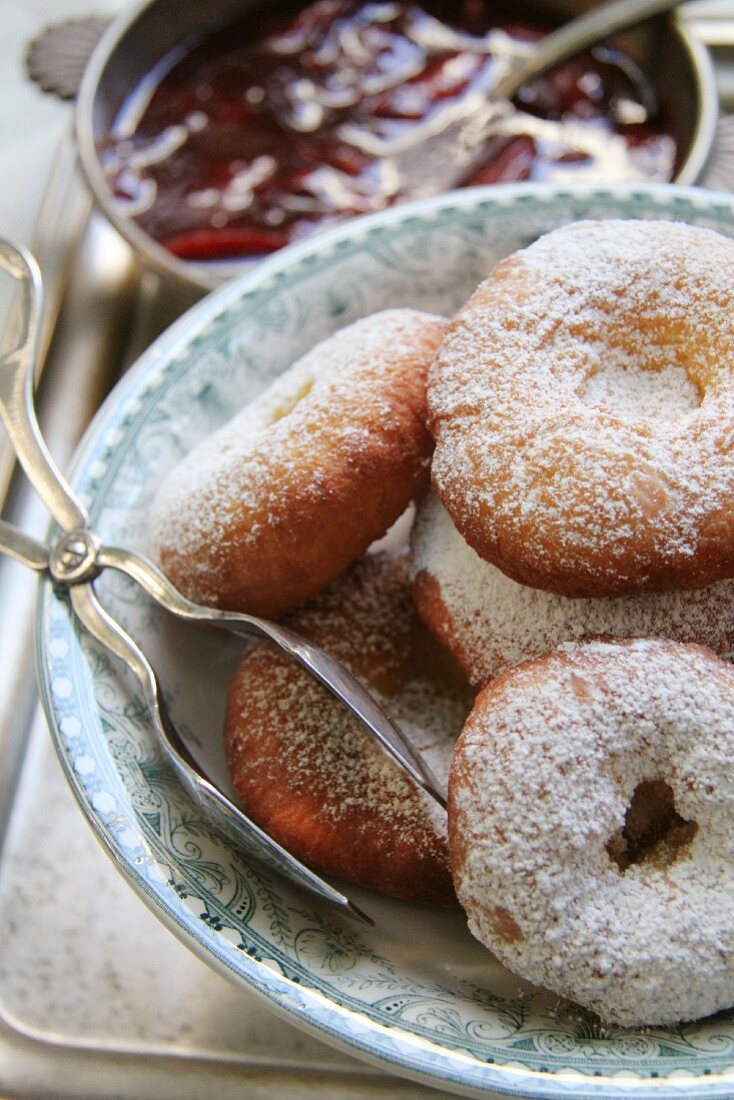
[
  {"x": 28, "y": 551},
  {"x": 578, "y": 35}
]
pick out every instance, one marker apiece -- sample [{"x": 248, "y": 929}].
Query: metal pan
[{"x": 138, "y": 41}]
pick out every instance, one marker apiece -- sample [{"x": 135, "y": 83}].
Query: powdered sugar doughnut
[
  {"x": 277, "y": 503},
  {"x": 583, "y": 408},
  {"x": 490, "y": 622},
  {"x": 591, "y": 827},
  {"x": 312, "y": 777}
]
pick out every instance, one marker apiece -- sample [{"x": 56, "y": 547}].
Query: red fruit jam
[{"x": 297, "y": 118}]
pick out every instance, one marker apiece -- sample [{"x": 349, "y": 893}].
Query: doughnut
[
  {"x": 279, "y": 501},
  {"x": 591, "y": 827},
  {"x": 311, "y": 775},
  {"x": 490, "y": 622},
  {"x": 583, "y": 409}
]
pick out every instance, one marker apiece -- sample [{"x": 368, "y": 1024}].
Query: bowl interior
[
  {"x": 416, "y": 991},
  {"x": 137, "y": 43}
]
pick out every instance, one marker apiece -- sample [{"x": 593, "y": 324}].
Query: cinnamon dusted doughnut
[
  {"x": 583, "y": 408},
  {"x": 277, "y": 503},
  {"x": 490, "y": 622},
  {"x": 591, "y": 823},
  {"x": 312, "y": 777}
]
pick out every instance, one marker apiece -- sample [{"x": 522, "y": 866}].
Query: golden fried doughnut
[
  {"x": 591, "y": 827},
  {"x": 312, "y": 777},
  {"x": 269, "y": 509},
  {"x": 490, "y": 622},
  {"x": 583, "y": 409}
]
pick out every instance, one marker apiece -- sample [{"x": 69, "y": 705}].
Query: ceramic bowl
[
  {"x": 415, "y": 993},
  {"x": 143, "y": 40}
]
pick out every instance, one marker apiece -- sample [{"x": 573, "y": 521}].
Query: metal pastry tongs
[{"x": 78, "y": 557}]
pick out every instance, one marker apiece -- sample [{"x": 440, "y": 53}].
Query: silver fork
[{"x": 78, "y": 556}]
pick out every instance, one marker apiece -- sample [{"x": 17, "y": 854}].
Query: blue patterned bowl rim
[{"x": 352, "y": 1032}]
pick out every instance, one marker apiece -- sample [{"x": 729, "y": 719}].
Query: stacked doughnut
[
  {"x": 582, "y": 404},
  {"x": 574, "y": 555}
]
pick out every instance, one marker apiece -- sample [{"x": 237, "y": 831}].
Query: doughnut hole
[
  {"x": 618, "y": 343},
  {"x": 631, "y": 392},
  {"x": 654, "y": 832},
  {"x": 543, "y": 764}
]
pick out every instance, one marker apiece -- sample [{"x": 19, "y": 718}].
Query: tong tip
[
  {"x": 436, "y": 795},
  {"x": 354, "y": 911}
]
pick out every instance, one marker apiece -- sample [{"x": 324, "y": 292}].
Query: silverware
[
  {"x": 90, "y": 319},
  {"x": 577, "y": 35},
  {"x": 465, "y": 127},
  {"x": 78, "y": 556}
]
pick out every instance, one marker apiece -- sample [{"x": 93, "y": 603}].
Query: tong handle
[
  {"x": 16, "y": 397},
  {"x": 28, "y": 551},
  {"x": 333, "y": 675}
]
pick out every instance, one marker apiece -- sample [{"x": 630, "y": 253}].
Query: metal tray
[{"x": 137, "y": 1015}]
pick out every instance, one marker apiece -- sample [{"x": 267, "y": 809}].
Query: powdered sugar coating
[
  {"x": 490, "y": 622},
  {"x": 574, "y": 497},
  {"x": 279, "y": 501},
  {"x": 311, "y": 775},
  {"x": 541, "y": 781},
  {"x": 629, "y": 392}
]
